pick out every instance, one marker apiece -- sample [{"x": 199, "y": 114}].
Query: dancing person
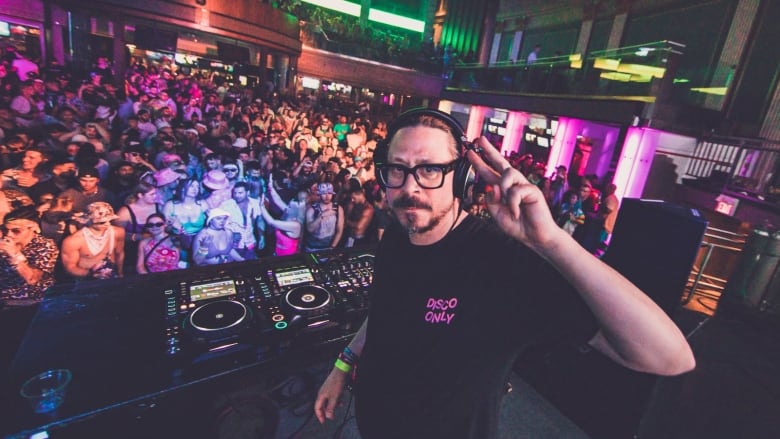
[{"x": 97, "y": 251}]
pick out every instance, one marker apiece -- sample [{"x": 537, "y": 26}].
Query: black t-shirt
[{"x": 446, "y": 322}]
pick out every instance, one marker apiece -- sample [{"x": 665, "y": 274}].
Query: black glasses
[
  {"x": 150, "y": 225},
  {"x": 427, "y": 175},
  {"x": 230, "y": 169}
]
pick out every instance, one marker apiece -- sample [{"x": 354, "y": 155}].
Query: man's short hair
[{"x": 242, "y": 184}]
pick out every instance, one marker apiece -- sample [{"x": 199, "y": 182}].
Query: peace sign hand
[{"x": 518, "y": 207}]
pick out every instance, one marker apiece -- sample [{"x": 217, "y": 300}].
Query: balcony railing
[
  {"x": 639, "y": 72},
  {"x": 745, "y": 167},
  {"x": 378, "y": 50}
]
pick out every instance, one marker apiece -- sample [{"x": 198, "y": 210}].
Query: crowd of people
[{"x": 158, "y": 170}]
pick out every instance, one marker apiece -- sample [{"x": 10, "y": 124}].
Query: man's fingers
[
  {"x": 492, "y": 155},
  {"x": 484, "y": 170},
  {"x": 324, "y": 409}
]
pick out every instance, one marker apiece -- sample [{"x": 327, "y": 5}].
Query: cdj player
[{"x": 267, "y": 301}]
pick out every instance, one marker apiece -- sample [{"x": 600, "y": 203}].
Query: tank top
[
  {"x": 191, "y": 227},
  {"x": 285, "y": 245},
  {"x": 323, "y": 236}
]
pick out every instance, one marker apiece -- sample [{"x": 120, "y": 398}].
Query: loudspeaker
[
  {"x": 464, "y": 173},
  {"x": 654, "y": 244}
]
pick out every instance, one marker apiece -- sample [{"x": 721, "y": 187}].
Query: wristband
[
  {"x": 348, "y": 357},
  {"x": 342, "y": 366}
]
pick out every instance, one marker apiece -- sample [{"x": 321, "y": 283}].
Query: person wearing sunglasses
[
  {"x": 160, "y": 251},
  {"x": 27, "y": 258}
]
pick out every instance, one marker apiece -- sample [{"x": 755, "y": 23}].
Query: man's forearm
[
  {"x": 359, "y": 340},
  {"x": 635, "y": 332}
]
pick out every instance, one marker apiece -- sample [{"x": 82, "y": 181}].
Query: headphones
[{"x": 464, "y": 173}]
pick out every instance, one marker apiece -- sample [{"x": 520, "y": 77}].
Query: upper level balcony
[
  {"x": 630, "y": 73},
  {"x": 645, "y": 83}
]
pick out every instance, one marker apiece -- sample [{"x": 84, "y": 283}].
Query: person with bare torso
[{"x": 97, "y": 251}]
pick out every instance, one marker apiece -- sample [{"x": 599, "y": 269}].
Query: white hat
[
  {"x": 79, "y": 138},
  {"x": 216, "y": 212},
  {"x": 240, "y": 143}
]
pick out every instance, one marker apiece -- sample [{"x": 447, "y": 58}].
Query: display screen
[
  {"x": 211, "y": 290},
  {"x": 293, "y": 277}
]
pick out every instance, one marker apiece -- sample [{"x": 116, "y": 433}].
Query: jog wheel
[
  {"x": 218, "y": 320},
  {"x": 307, "y": 301}
]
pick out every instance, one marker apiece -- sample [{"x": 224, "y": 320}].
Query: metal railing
[
  {"x": 636, "y": 71},
  {"x": 704, "y": 284},
  {"x": 749, "y": 167}
]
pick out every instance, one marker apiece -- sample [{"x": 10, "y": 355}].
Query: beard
[{"x": 409, "y": 220}]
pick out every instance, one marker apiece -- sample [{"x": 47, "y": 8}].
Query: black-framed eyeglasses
[
  {"x": 427, "y": 175},
  {"x": 230, "y": 169},
  {"x": 150, "y": 225}
]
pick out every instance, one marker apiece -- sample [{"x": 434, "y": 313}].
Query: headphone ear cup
[
  {"x": 463, "y": 178},
  {"x": 380, "y": 158}
]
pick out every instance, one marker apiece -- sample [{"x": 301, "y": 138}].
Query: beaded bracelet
[{"x": 348, "y": 357}]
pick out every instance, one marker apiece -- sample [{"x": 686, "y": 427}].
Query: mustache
[{"x": 406, "y": 201}]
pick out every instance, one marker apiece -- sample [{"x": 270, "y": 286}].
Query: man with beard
[
  {"x": 324, "y": 221},
  {"x": 121, "y": 181},
  {"x": 63, "y": 173},
  {"x": 136, "y": 155},
  {"x": 358, "y": 217},
  {"x": 87, "y": 190},
  {"x": 145, "y": 125},
  {"x": 253, "y": 176},
  {"x": 97, "y": 251},
  {"x": 243, "y": 211},
  {"x": 455, "y": 299}
]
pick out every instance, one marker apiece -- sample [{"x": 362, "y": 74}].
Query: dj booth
[{"x": 130, "y": 342}]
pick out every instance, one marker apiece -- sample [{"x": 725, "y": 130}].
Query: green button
[{"x": 280, "y": 325}]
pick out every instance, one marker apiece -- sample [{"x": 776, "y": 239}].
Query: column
[
  {"x": 619, "y": 23},
  {"x": 733, "y": 47},
  {"x": 564, "y": 142},
  {"x": 365, "y": 5},
  {"x": 55, "y": 45},
  {"x": 588, "y": 16},
  {"x": 281, "y": 64},
  {"x": 488, "y": 31},
  {"x": 120, "y": 50},
  {"x": 476, "y": 117},
  {"x": 515, "y": 123},
  {"x": 635, "y": 161}
]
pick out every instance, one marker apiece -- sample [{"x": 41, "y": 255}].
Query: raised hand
[{"x": 518, "y": 207}]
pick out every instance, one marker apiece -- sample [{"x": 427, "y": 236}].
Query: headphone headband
[{"x": 464, "y": 172}]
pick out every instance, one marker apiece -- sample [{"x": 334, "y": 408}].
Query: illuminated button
[
  {"x": 192, "y": 305},
  {"x": 280, "y": 325},
  {"x": 278, "y": 318},
  {"x": 183, "y": 307}
]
